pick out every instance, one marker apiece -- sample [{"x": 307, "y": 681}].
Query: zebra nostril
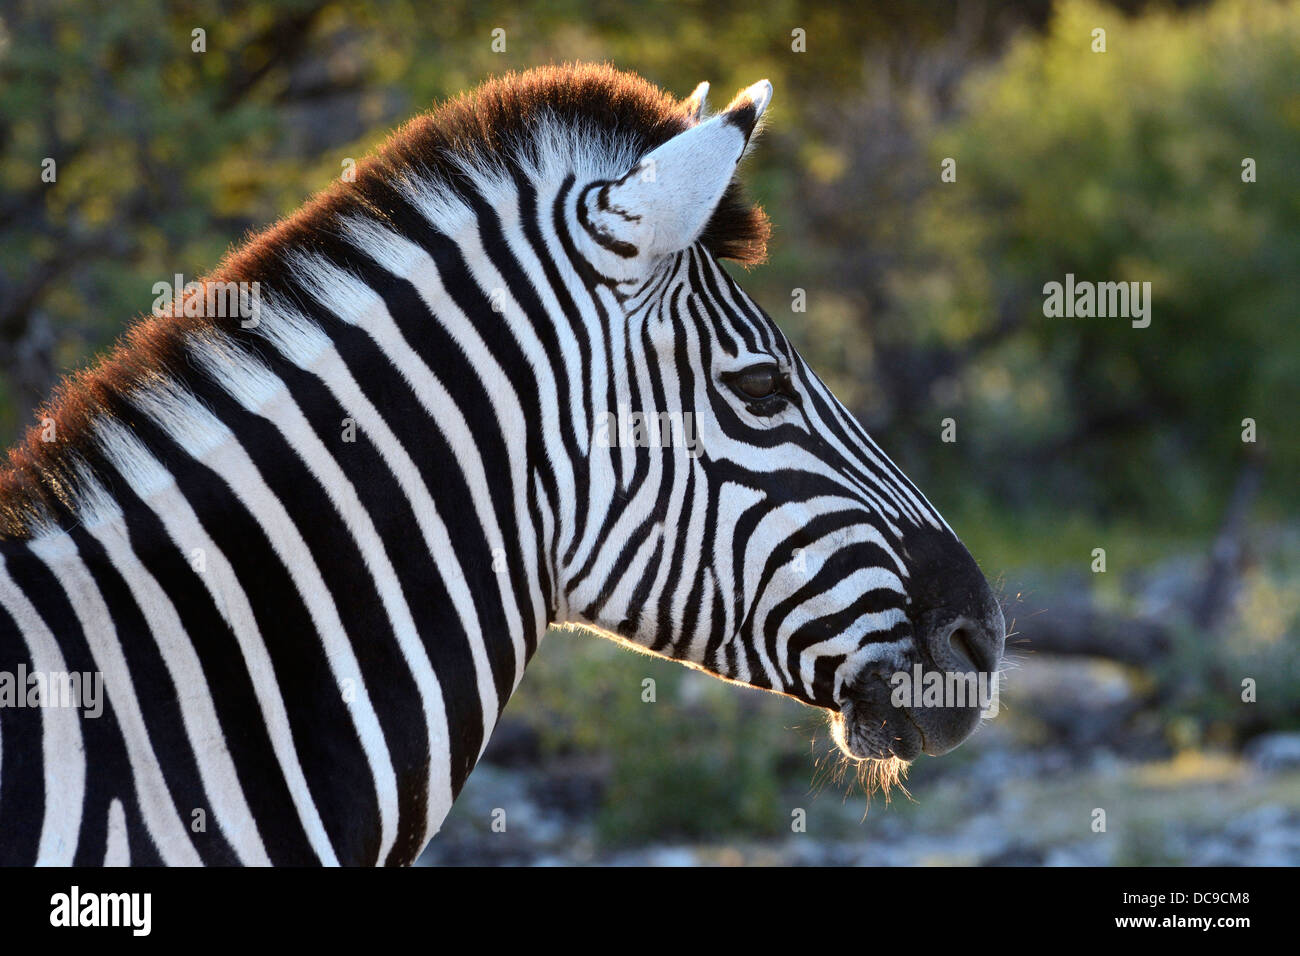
[{"x": 965, "y": 643}]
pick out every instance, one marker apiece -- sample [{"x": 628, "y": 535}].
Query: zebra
[{"x": 309, "y": 551}]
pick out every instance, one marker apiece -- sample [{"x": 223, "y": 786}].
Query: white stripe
[
  {"x": 260, "y": 391},
  {"x": 407, "y": 259},
  {"x": 356, "y": 303},
  {"x": 118, "y": 852},
  {"x": 63, "y": 751},
  {"x": 156, "y": 806},
  {"x": 313, "y": 351}
]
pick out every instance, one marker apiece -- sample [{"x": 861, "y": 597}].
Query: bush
[{"x": 1126, "y": 165}]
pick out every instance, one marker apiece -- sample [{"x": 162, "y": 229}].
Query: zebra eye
[{"x": 758, "y": 382}]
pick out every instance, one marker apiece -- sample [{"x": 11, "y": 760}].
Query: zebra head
[{"x": 737, "y": 517}]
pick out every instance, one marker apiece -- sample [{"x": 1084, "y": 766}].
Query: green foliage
[
  {"x": 701, "y": 761},
  {"x": 167, "y": 155},
  {"x": 1204, "y": 677},
  {"x": 1127, "y": 166},
  {"x": 163, "y": 156}
]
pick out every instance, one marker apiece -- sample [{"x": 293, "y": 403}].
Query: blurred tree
[
  {"x": 1125, "y": 166},
  {"x": 130, "y": 149},
  {"x": 168, "y": 145}
]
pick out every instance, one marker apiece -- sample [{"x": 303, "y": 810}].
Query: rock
[
  {"x": 1256, "y": 823},
  {"x": 1016, "y": 855},
  {"x": 573, "y": 788},
  {"x": 1276, "y": 751},
  {"x": 513, "y": 744}
]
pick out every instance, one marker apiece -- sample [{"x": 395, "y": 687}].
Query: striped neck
[{"x": 359, "y": 494}]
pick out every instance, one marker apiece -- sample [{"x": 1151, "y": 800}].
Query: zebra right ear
[{"x": 662, "y": 204}]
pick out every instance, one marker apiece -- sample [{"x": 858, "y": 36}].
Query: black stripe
[
  {"x": 444, "y": 638},
  {"x": 247, "y": 737},
  {"x": 387, "y": 676},
  {"x": 22, "y": 773}
]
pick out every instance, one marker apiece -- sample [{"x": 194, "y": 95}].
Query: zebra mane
[{"x": 594, "y": 117}]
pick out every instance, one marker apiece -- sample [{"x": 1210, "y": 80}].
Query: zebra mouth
[
  {"x": 870, "y": 727},
  {"x": 883, "y": 717}
]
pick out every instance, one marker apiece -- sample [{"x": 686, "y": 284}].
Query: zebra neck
[{"x": 338, "y": 504}]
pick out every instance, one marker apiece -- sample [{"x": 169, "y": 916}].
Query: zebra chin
[{"x": 872, "y": 726}]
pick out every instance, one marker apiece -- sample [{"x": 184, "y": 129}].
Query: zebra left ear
[
  {"x": 663, "y": 203},
  {"x": 693, "y": 106}
]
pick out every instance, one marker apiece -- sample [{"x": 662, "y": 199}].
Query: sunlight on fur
[{"x": 869, "y": 775}]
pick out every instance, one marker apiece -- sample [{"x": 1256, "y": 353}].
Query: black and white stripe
[{"x": 306, "y": 640}]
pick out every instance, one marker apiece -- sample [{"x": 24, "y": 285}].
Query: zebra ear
[
  {"x": 694, "y": 105},
  {"x": 663, "y": 203}
]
